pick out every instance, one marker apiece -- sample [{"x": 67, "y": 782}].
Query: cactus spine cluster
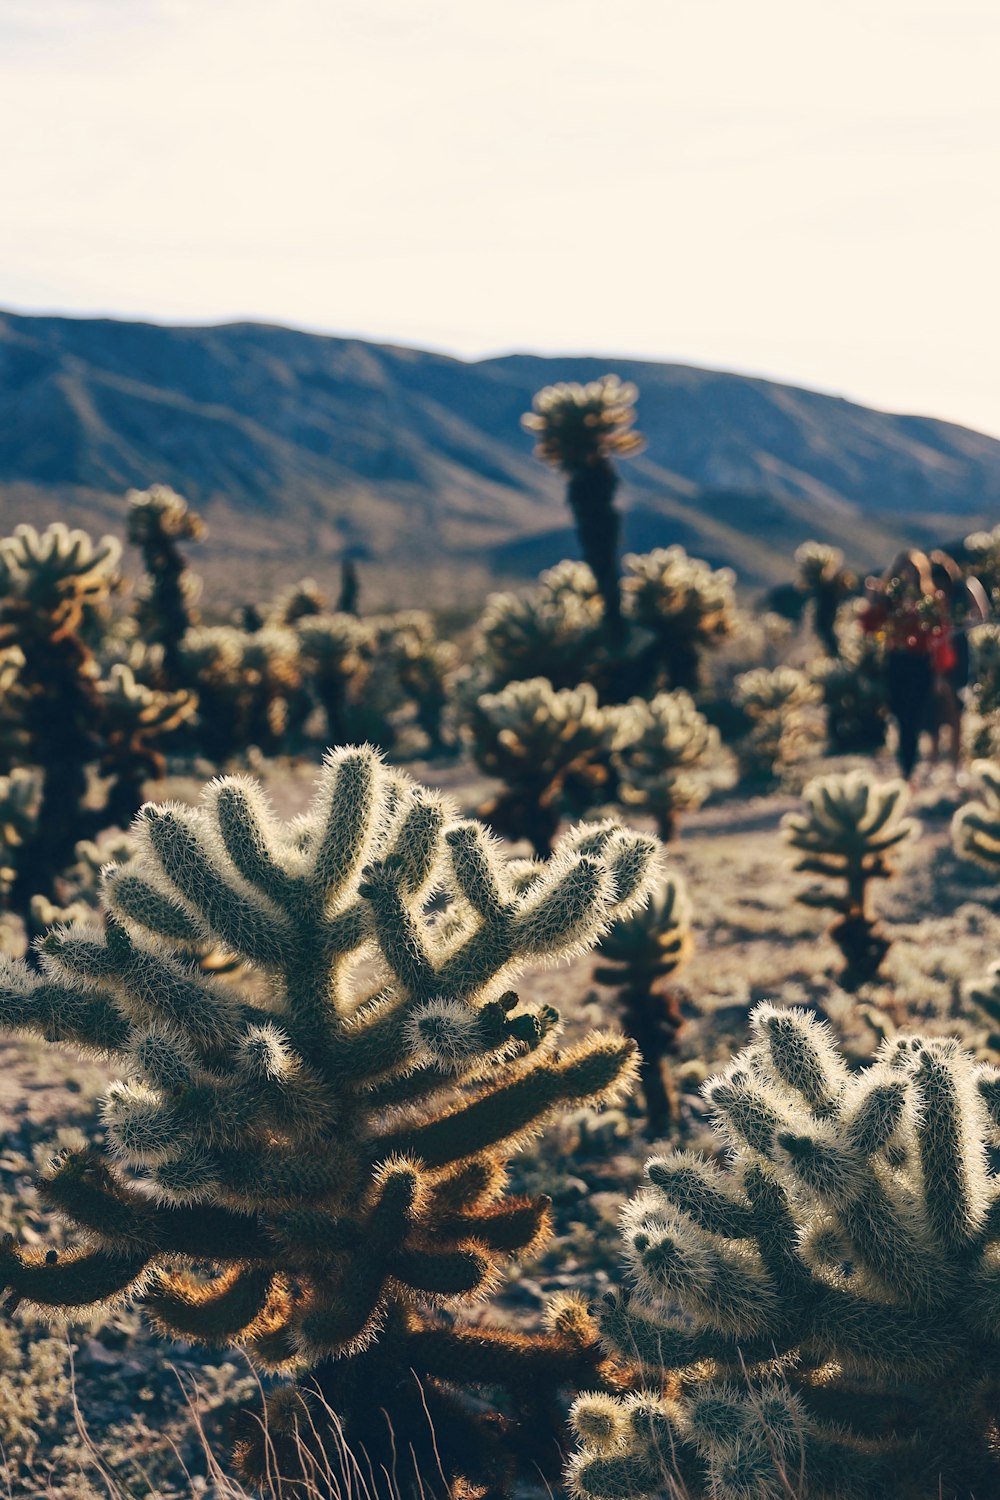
[
  {"x": 851, "y": 824},
  {"x": 637, "y": 956},
  {"x": 776, "y": 703},
  {"x": 580, "y": 428},
  {"x": 309, "y": 1169},
  {"x": 817, "y": 1317}
]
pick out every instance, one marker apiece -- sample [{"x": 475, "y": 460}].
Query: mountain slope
[{"x": 297, "y": 446}]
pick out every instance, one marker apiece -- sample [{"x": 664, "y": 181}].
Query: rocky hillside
[{"x": 297, "y": 447}]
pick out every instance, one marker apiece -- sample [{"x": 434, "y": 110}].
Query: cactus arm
[
  {"x": 78, "y": 1279},
  {"x": 242, "y": 1302}
]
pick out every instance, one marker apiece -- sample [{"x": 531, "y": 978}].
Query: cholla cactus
[
  {"x": 554, "y": 632},
  {"x": 777, "y": 704},
  {"x": 48, "y": 583},
  {"x": 297, "y": 602},
  {"x": 425, "y": 666},
  {"x": 661, "y": 765},
  {"x": 853, "y": 688},
  {"x": 826, "y": 584},
  {"x": 818, "y": 1317},
  {"x": 983, "y": 995},
  {"x": 553, "y": 751},
  {"x": 20, "y": 803},
  {"x": 331, "y": 1145},
  {"x": 580, "y": 428},
  {"x": 688, "y": 607},
  {"x": 136, "y": 718},
  {"x": 245, "y": 681},
  {"x": 984, "y": 641},
  {"x": 982, "y": 552},
  {"x": 159, "y": 518},
  {"x": 637, "y": 955},
  {"x": 851, "y": 823},
  {"x": 975, "y": 828},
  {"x": 335, "y": 650}
]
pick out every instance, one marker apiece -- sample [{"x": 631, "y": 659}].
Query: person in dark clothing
[{"x": 907, "y": 613}]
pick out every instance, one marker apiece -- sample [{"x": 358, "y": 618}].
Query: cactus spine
[
  {"x": 332, "y": 1147},
  {"x": 817, "y": 1317},
  {"x": 850, "y": 825}
]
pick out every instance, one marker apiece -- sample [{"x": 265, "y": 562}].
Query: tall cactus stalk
[
  {"x": 158, "y": 519},
  {"x": 321, "y": 1161},
  {"x": 580, "y": 428}
]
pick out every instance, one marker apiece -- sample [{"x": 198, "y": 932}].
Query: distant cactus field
[{"x": 546, "y": 1047}]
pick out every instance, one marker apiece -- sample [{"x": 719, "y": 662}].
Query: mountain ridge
[{"x": 298, "y": 447}]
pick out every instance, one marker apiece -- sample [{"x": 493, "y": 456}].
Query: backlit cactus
[
  {"x": 555, "y": 631},
  {"x": 778, "y": 704},
  {"x": 826, "y": 583},
  {"x": 136, "y": 719},
  {"x": 551, "y": 749},
  {"x": 853, "y": 687},
  {"x": 975, "y": 828},
  {"x": 335, "y": 650},
  {"x": 637, "y": 956},
  {"x": 579, "y": 429},
  {"x": 20, "y": 801},
  {"x": 817, "y": 1316},
  {"x": 663, "y": 760},
  {"x": 50, "y": 583},
  {"x": 308, "y": 1169},
  {"x": 850, "y": 826},
  {"x": 158, "y": 519},
  {"x": 687, "y": 606}
]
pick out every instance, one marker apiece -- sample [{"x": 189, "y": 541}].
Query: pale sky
[{"x": 808, "y": 189}]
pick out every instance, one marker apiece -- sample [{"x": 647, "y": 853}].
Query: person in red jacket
[{"x": 909, "y": 615}]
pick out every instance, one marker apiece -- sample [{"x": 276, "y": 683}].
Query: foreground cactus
[
  {"x": 322, "y": 1160},
  {"x": 818, "y": 1317},
  {"x": 553, "y": 751},
  {"x": 850, "y": 824},
  {"x": 580, "y": 428},
  {"x": 637, "y": 954},
  {"x": 662, "y": 762}
]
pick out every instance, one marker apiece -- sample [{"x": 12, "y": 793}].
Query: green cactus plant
[
  {"x": 851, "y": 823},
  {"x": 424, "y": 666},
  {"x": 20, "y": 802},
  {"x": 776, "y": 703},
  {"x": 158, "y": 519},
  {"x": 686, "y": 606},
  {"x": 49, "y": 582},
  {"x": 555, "y": 631},
  {"x": 852, "y": 684},
  {"x": 816, "y": 1317},
  {"x": 637, "y": 955},
  {"x": 580, "y": 428},
  {"x": 335, "y": 651},
  {"x": 826, "y": 583},
  {"x": 551, "y": 749},
  {"x": 322, "y": 1158},
  {"x": 661, "y": 764}
]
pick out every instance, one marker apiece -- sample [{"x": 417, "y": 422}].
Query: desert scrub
[
  {"x": 158, "y": 521},
  {"x": 551, "y": 749},
  {"x": 580, "y": 429},
  {"x": 778, "y": 706},
  {"x": 637, "y": 956},
  {"x": 846, "y": 834},
  {"x": 817, "y": 1316},
  {"x": 307, "y": 1169},
  {"x": 663, "y": 763}
]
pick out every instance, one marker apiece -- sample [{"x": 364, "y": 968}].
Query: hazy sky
[{"x": 807, "y": 188}]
